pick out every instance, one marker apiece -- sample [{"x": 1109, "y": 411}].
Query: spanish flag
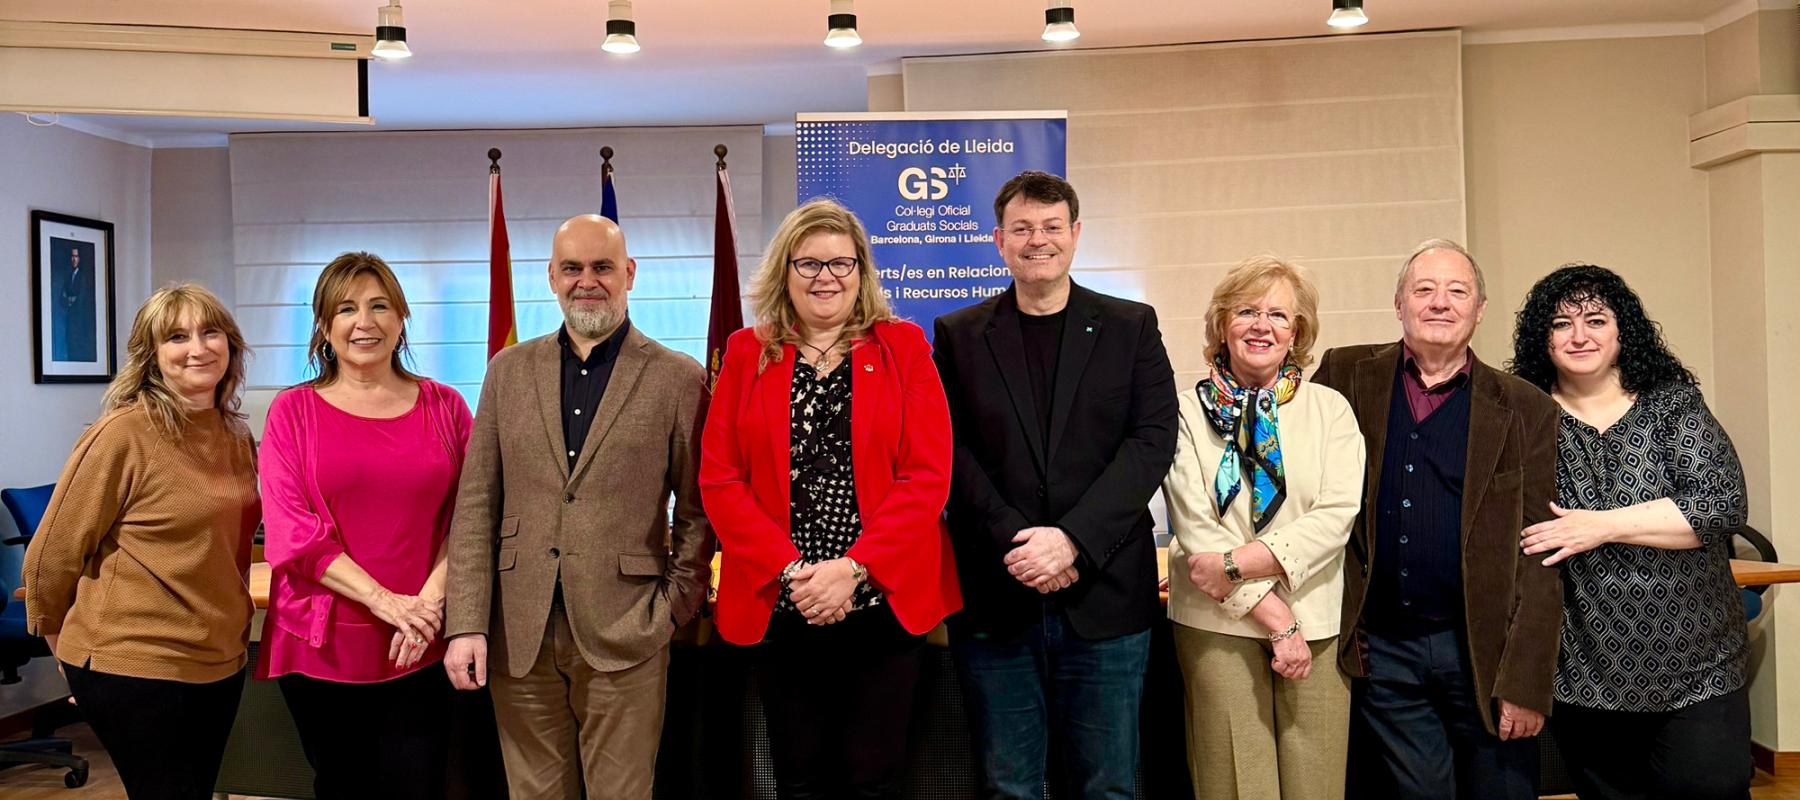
[{"x": 502, "y": 329}]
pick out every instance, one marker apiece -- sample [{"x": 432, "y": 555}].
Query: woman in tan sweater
[{"x": 137, "y": 574}]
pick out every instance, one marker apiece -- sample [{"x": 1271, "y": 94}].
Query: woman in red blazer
[{"x": 825, "y": 468}]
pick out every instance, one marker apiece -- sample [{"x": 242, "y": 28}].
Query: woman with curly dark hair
[{"x": 1650, "y": 687}]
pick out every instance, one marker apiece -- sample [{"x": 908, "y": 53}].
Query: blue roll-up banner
[{"x": 924, "y": 185}]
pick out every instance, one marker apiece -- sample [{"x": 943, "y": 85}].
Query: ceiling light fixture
[
  {"x": 841, "y": 25},
  {"x": 390, "y": 33},
  {"x": 621, "y": 30},
  {"x": 1059, "y": 22},
  {"x": 1346, "y": 14}
]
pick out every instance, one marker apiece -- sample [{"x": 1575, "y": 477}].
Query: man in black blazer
[{"x": 1064, "y": 411}]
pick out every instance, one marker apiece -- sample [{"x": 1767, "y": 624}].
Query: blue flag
[{"x": 609, "y": 202}]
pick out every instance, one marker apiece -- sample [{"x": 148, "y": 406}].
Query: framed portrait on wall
[{"x": 71, "y": 299}]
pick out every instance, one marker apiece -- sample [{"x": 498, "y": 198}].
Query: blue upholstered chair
[{"x": 18, "y": 647}]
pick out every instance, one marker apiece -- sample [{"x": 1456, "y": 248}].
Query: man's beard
[{"x": 590, "y": 324}]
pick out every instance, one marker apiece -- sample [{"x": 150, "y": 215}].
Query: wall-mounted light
[
  {"x": 390, "y": 33},
  {"x": 841, "y": 25},
  {"x": 621, "y": 30},
  {"x": 1059, "y": 22},
  {"x": 1346, "y": 14}
]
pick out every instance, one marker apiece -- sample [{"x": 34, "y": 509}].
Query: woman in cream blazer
[{"x": 1268, "y": 477}]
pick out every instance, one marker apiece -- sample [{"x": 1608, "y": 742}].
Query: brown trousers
[{"x": 563, "y": 722}]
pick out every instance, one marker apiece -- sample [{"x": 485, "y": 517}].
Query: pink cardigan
[{"x": 301, "y": 538}]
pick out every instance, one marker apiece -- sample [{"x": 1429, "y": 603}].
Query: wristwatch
[{"x": 1231, "y": 569}]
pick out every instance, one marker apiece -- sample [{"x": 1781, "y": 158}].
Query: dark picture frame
[{"x": 73, "y": 336}]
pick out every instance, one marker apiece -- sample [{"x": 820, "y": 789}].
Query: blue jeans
[
  {"x": 1049, "y": 686},
  {"x": 1419, "y": 704}
]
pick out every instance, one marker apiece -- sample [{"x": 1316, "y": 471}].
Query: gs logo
[{"x": 915, "y": 186}]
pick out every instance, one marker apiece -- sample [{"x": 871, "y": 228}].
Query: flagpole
[{"x": 720, "y": 151}]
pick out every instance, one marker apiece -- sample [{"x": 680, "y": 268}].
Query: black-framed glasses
[{"x": 810, "y": 267}]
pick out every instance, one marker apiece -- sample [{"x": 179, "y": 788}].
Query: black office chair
[{"x": 18, "y": 647}]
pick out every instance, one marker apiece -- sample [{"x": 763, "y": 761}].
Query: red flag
[
  {"x": 727, "y": 312},
  {"x": 502, "y": 329}
]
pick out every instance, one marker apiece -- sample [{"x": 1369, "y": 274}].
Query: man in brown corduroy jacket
[{"x": 1449, "y": 630}]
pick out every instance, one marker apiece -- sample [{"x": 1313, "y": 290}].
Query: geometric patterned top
[
  {"x": 1645, "y": 628},
  {"x": 822, "y": 513}
]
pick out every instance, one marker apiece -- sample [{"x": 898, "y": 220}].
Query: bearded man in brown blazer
[
  {"x": 1450, "y": 631},
  {"x": 564, "y": 565}
]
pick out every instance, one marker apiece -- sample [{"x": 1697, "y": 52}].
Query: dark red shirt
[{"x": 1424, "y": 399}]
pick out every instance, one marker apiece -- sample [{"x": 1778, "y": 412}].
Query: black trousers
[
  {"x": 839, "y": 703},
  {"x": 165, "y": 737},
  {"x": 386, "y": 740},
  {"x": 1701, "y": 752}
]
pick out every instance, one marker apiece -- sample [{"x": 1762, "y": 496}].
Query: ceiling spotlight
[
  {"x": 621, "y": 31},
  {"x": 1347, "y": 14},
  {"x": 390, "y": 33},
  {"x": 841, "y": 25},
  {"x": 1059, "y": 22}
]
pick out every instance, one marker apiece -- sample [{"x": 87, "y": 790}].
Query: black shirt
[
  {"x": 583, "y": 384},
  {"x": 1043, "y": 347}
]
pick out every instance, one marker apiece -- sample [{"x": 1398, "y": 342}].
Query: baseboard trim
[{"x": 1775, "y": 762}]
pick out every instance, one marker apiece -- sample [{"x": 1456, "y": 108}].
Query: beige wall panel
[
  {"x": 887, "y": 92},
  {"x": 1579, "y": 151},
  {"x": 1228, "y": 236},
  {"x": 1733, "y": 68},
  {"x": 1258, "y": 74},
  {"x": 190, "y": 219},
  {"x": 1778, "y": 38},
  {"x": 1357, "y": 125},
  {"x": 1276, "y": 182},
  {"x": 1741, "y": 359}
]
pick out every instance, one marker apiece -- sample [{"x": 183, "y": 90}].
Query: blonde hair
[
  {"x": 141, "y": 382},
  {"x": 1248, "y": 282},
  {"x": 333, "y": 286},
  {"x": 777, "y": 322}
]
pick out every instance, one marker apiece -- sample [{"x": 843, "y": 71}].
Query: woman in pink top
[{"x": 359, "y": 474}]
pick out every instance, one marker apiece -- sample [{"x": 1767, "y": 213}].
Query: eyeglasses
[
  {"x": 1049, "y": 231},
  {"x": 1278, "y": 319},
  {"x": 810, "y": 267}
]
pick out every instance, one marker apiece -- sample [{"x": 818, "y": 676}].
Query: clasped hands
[
  {"x": 417, "y": 621},
  {"x": 823, "y": 591},
  {"x": 1043, "y": 560}
]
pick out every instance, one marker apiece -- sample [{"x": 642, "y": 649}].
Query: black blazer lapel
[
  {"x": 1081, "y": 328},
  {"x": 1007, "y": 344}
]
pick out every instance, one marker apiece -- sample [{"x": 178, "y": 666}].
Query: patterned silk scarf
[{"x": 1246, "y": 418}]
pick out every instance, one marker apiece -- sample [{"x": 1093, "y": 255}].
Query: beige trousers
[
  {"x": 1255, "y": 735},
  {"x": 564, "y": 722}
]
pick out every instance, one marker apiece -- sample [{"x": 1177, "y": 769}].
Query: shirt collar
[
  {"x": 603, "y": 353},
  {"x": 1411, "y": 364}
]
